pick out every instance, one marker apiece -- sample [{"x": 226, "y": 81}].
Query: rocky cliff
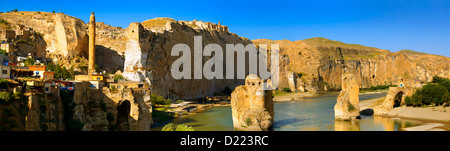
[
  {"x": 318, "y": 64},
  {"x": 148, "y": 56},
  {"x": 63, "y": 34}
]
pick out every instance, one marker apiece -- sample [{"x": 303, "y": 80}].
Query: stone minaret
[{"x": 91, "y": 66}]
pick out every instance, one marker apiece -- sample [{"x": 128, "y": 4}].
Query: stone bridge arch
[{"x": 394, "y": 98}]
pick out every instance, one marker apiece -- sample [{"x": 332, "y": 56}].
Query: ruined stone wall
[
  {"x": 347, "y": 105},
  {"x": 251, "y": 106},
  {"x": 103, "y": 110}
]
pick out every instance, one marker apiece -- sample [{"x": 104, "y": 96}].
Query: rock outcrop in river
[{"x": 251, "y": 106}]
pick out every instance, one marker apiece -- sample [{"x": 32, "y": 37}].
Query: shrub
[
  {"x": 248, "y": 122},
  {"x": 6, "y": 96},
  {"x": 442, "y": 81},
  {"x": 430, "y": 94},
  {"x": 287, "y": 89},
  {"x": 156, "y": 99},
  {"x": 350, "y": 107},
  {"x": 446, "y": 98},
  {"x": 117, "y": 77},
  {"x": 3, "y": 52},
  {"x": 3, "y": 84},
  {"x": 408, "y": 101},
  {"x": 29, "y": 61}
]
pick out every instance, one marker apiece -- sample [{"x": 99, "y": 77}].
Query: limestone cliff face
[
  {"x": 251, "y": 106},
  {"x": 313, "y": 67},
  {"x": 45, "y": 112},
  {"x": 63, "y": 34},
  {"x": 148, "y": 58},
  {"x": 103, "y": 110},
  {"x": 33, "y": 112}
]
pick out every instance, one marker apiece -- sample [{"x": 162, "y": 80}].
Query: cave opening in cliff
[
  {"x": 123, "y": 112},
  {"x": 398, "y": 99}
]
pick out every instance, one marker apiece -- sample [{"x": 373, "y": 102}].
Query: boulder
[{"x": 252, "y": 106}]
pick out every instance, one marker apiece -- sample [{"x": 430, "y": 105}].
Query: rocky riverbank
[{"x": 434, "y": 118}]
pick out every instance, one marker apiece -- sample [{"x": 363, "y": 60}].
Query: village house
[
  {"x": 7, "y": 36},
  {"x": 48, "y": 75},
  {"x": 5, "y": 72},
  {"x": 38, "y": 70},
  {"x": 20, "y": 71}
]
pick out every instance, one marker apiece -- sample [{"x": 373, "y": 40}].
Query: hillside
[
  {"x": 319, "y": 41},
  {"x": 318, "y": 63}
]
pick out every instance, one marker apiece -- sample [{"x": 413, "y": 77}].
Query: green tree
[
  {"x": 29, "y": 61},
  {"x": 15, "y": 10},
  {"x": 287, "y": 90},
  {"x": 3, "y": 52}
]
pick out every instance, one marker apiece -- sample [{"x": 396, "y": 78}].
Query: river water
[{"x": 304, "y": 114}]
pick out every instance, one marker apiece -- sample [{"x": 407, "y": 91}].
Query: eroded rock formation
[
  {"x": 251, "y": 106},
  {"x": 317, "y": 64},
  {"x": 347, "y": 105}
]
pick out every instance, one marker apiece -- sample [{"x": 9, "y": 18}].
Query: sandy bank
[{"x": 439, "y": 114}]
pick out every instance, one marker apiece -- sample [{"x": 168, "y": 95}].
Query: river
[{"x": 304, "y": 114}]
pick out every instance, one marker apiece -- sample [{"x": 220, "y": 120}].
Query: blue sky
[{"x": 420, "y": 25}]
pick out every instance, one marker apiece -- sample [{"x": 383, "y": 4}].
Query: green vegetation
[
  {"x": 407, "y": 51},
  {"x": 29, "y": 61},
  {"x": 4, "y": 84},
  {"x": 375, "y": 88},
  {"x": 15, "y": 10},
  {"x": 5, "y": 96},
  {"x": 435, "y": 94},
  {"x": 350, "y": 107},
  {"x": 319, "y": 41},
  {"x": 3, "y": 52},
  {"x": 160, "y": 108},
  {"x": 287, "y": 90},
  {"x": 159, "y": 100},
  {"x": 157, "y": 22},
  {"x": 173, "y": 127},
  {"x": 118, "y": 77},
  {"x": 59, "y": 72},
  {"x": 69, "y": 123},
  {"x": 248, "y": 122},
  {"x": 23, "y": 41}
]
